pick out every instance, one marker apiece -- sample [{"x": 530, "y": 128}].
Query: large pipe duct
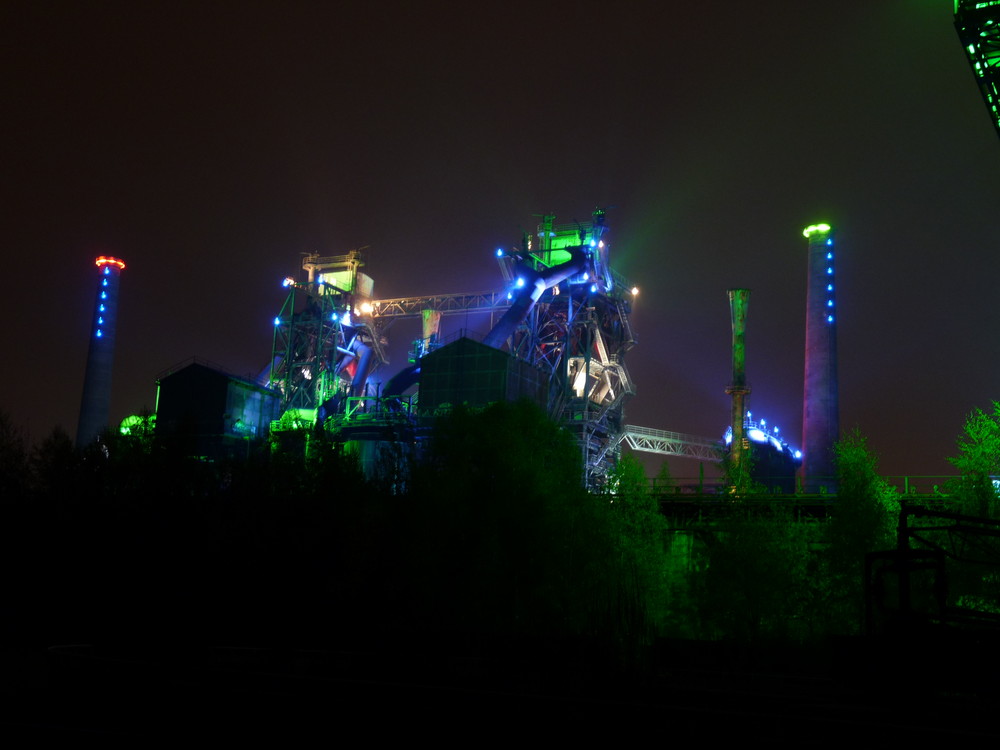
[
  {"x": 739, "y": 300},
  {"x": 820, "y": 402},
  {"x": 535, "y": 285},
  {"x": 364, "y": 354},
  {"x": 96, "y": 400},
  {"x": 398, "y": 383}
]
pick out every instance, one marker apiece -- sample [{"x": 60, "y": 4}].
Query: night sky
[{"x": 211, "y": 144}]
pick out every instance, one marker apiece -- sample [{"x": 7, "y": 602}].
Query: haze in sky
[{"x": 210, "y": 144}]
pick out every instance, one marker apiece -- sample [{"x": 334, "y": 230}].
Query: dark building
[
  {"x": 203, "y": 411},
  {"x": 468, "y": 372}
]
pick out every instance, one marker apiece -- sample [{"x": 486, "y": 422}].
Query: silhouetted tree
[
  {"x": 757, "y": 582},
  {"x": 978, "y": 462},
  {"x": 13, "y": 459},
  {"x": 664, "y": 483},
  {"x": 639, "y": 532},
  {"x": 863, "y": 519},
  {"x": 500, "y": 536}
]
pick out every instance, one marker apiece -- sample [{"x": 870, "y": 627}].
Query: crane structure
[{"x": 978, "y": 25}]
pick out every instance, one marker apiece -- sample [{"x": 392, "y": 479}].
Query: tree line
[{"x": 489, "y": 536}]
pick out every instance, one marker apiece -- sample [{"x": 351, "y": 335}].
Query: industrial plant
[{"x": 556, "y": 331}]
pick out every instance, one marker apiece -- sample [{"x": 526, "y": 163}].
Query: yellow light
[
  {"x": 814, "y": 228},
  {"x": 366, "y": 308},
  {"x": 635, "y": 291}
]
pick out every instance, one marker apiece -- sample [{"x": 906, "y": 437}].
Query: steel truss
[
  {"x": 673, "y": 444},
  {"x": 446, "y": 304},
  {"x": 320, "y": 335},
  {"x": 978, "y": 25}
]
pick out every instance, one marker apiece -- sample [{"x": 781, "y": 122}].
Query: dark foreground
[{"x": 849, "y": 690}]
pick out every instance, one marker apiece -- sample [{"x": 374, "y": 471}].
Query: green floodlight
[{"x": 815, "y": 229}]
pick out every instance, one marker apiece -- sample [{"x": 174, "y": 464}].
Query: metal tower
[
  {"x": 94, "y": 404},
  {"x": 566, "y": 312},
  {"x": 578, "y": 333},
  {"x": 324, "y": 343},
  {"x": 820, "y": 405},
  {"x": 978, "y": 25}
]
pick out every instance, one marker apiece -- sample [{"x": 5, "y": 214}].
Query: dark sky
[{"x": 209, "y": 144}]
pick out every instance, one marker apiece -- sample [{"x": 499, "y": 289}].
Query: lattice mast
[
  {"x": 325, "y": 345},
  {"x": 978, "y": 25}
]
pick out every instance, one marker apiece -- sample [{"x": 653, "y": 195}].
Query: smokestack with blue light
[
  {"x": 821, "y": 400},
  {"x": 96, "y": 400}
]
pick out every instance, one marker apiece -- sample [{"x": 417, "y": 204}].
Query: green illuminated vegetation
[
  {"x": 862, "y": 521},
  {"x": 487, "y": 534},
  {"x": 977, "y": 463}
]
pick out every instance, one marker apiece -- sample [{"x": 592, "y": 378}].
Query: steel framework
[
  {"x": 673, "y": 444},
  {"x": 577, "y": 332},
  {"x": 322, "y": 339},
  {"x": 978, "y": 25},
  {"x": 575, "y": 328}
]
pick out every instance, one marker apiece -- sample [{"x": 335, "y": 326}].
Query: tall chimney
[
  {"x": 739, "y": 300},
  {"x": 820, "y": 402},
  {"x": 95, "y": 403}
]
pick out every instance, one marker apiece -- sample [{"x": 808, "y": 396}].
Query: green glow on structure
[
  {"x": 137, "y": 424},
  {"x": 814, "y": 229},
  {"x": 295, "y": 419},
  {"x": 555, "y": 257},
  {"x": 569, "y": 240},
  {"x": 979, "y": 31}
]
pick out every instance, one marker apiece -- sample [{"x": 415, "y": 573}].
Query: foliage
[
  {"x": 491, "y": 523},
  {"x": 977, "y": 462},
  {"x": 13, "y": 458},
  {"x": 738, "y": 474},
  {"x": 490, "y": 533},
  {"x": 664, "y": 483},
  {"x": 55, "y": 467},
  {"x": 758, "y": 582},
  {"x": 863, "y": 519},
  {"x": 640, "y": 531}
]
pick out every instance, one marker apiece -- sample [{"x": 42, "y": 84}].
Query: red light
[{"x": 105, "y": 260}]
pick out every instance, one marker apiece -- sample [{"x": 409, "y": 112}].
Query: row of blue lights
[
  {"x": 829, "y": 287},
  {"x": 99, "y": 333}
]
